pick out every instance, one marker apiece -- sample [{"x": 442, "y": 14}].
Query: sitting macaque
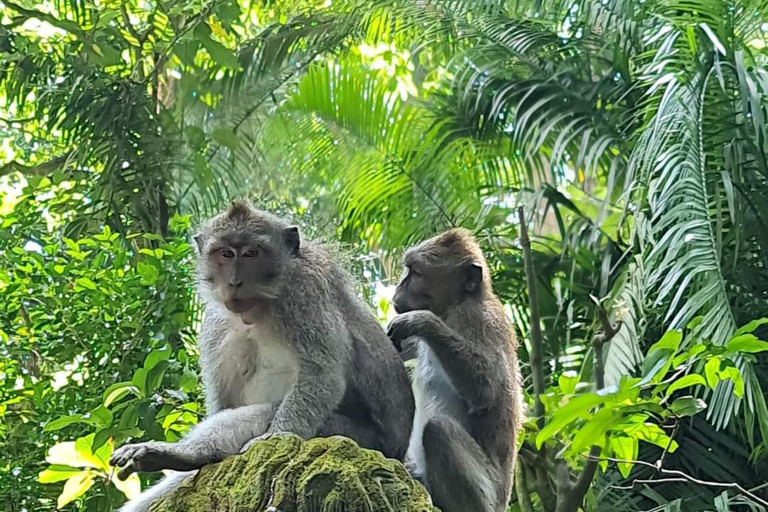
[
  {"x": 467, "y": 381},
  {"x": 286, "y": 346}
]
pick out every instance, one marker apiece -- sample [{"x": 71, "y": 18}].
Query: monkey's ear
[
  {"x": 473, "y": 276},
  {"x": 292, "y": 239},
  {"x": 199, "y": 243}
]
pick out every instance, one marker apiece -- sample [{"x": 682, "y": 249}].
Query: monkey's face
[
  {"x": 435, "y": 286},
  {"x": 243, "y": 267}
]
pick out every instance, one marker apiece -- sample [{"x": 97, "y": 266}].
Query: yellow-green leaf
[
  {"x": 57, "y": 473},
  {"x": 624, "y": 448},
  {"x": 712, "y": 370},
  {"x": 67, "y": 454},
  {"x": 746, "y": 343},
  {"x": 75, "y": 487},
  {"x": 579, "y": 406}
]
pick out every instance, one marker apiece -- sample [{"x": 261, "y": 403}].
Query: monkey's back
[{"x": 378, "y": 392}]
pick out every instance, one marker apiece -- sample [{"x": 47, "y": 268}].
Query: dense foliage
[{"x": 633, "y": 133}]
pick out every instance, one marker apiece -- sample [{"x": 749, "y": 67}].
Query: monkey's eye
[
  {"x": 250, "y": 253},
  {"x": 227, "y": 254}
]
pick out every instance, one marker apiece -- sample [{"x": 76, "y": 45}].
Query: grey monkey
[
  {"x": 285, "y": 346},
  {"x": 467, "y": 381}
]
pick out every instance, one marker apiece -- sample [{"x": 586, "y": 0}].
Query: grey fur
[
  {"x": 467, "y": 381},
  {"x": 308, "y": 357}
]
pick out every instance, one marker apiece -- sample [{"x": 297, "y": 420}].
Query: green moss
[{"x": 291, "y": 475}]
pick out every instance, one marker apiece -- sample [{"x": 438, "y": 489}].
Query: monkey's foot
[{"x": 151, "y": 456}]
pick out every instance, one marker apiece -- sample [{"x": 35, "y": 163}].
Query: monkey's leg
[
  {"x": 160, "y": 489},
  {"x": 217, "y": 437},
  {"x": 457, "y": 469},
  {"x": 361, "y": 432}
]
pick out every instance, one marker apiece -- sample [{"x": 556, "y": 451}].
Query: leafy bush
[{"x": 96, "y": 346}]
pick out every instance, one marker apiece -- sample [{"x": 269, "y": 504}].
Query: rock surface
[{"x": 288, "y": 474}]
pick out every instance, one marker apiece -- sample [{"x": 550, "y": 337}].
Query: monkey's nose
[{"x": 234, "y": 283}]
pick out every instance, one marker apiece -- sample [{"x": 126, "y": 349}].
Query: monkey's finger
[
  {"x": 121, "y": 456},
  {"x": 409, "y": 348},
  {"x": 126, "y": 471}
]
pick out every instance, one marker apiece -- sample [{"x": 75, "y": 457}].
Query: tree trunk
[{"x": 287, "y": 474}]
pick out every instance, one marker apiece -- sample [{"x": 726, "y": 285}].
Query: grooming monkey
[
  {"x": 467, "y": 381},
  {"x": 285, "y": 346}
]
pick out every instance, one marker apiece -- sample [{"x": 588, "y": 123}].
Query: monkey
[
  {"x": 467, "y": 381},
  {"x": 285, "y": 346}
]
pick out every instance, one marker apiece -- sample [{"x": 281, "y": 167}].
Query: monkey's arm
[
  {"x": 476, "y": 371},
  {"x": 218, "y": 436},
  {"x": 320, "y": 385}
]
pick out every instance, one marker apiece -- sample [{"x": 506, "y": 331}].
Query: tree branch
[
  {"x": 41, "y": 169},
  {"x": 521, "y": 488},
  {"x": 684, "y": 476},
  {"x": 537, "y": 345},
  {"x": 571, "y": 495}
]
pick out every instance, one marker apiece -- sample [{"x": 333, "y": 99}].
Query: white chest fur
[{"x": 263, "y": 364}]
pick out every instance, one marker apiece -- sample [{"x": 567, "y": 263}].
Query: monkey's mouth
[{"x": 240, "y": 305}]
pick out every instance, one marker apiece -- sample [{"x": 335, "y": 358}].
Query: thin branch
[
  {"x": 537, "y": 344},
  {"x": 686, "y": 477}
]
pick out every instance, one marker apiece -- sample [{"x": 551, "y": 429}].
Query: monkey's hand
[
  {"x": 418, "y": 323},
  {"x": 153, "y": 456}
]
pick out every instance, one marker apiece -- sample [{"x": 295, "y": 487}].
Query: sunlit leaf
[{"x": 76, "y": 486}]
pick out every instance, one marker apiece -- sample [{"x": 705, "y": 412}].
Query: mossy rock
[{"x": 288, "y": 474}]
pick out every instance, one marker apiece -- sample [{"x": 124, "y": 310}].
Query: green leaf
[
  {"x": 693, "y": 379},
  {"x": 99, "y": 457},
  {"x": 188, "y": 382},
  {"x": 155, "y": 376},
  {"x": 748, "y": 343},
  {"x": 76, "y": 486},
  {"x": 221, "y": 54},
  {"x": 195, "y": 136},
  {"x": 652, "y": 433},
  {"x": 140, "y": 381},
  {"x": 83, "y": 283},
  {"x": 712, "y": 371},
  {"x": 733, "y": 374},
  {"x": 670, "y": 341},
  {"x": 567, "y": 384},
  {"x": 592, "y": 433},
  {"x": 203, "y": 174},
  {"x": 156, "y": 356},
  {"x": 687, "y": 406},
  {"x": 226, "y": 137},
  {"x": 577, "y": 407},
  {"x": 750, "y": 327},
  {"x": 100, "y": 417},
  {"x": 659, "y": 369},
  {"x": 148, "y": 272},
  {"x": 62, "y": 422},
  {"x": 117, "y": 391},
  {"x": 625, "y": 448}
]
